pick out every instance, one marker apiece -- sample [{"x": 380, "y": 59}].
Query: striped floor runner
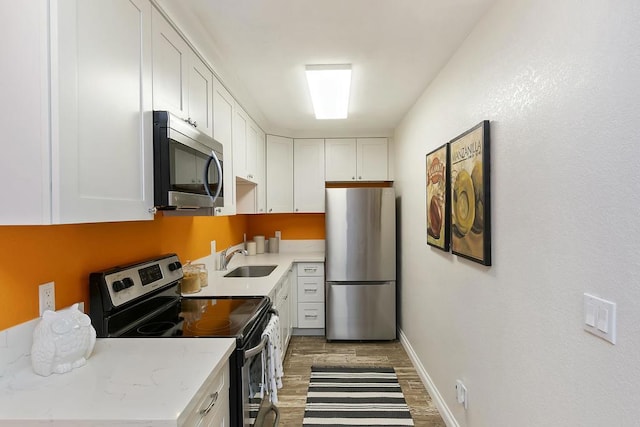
[{"x": 355, "y": 396}]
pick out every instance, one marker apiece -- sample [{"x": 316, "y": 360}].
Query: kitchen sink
[{"x": 251, "y": 271}]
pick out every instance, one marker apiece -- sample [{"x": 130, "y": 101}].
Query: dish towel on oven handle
[
  {"x": 273, "y": 369},
  {"x": 256, "y": 376}
]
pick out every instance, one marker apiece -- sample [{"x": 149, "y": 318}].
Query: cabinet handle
[
  {"x": 310, "y": 316},
  {"x": 195, "y": 124},
  {"x": 214, "y": 399},
  {"x": 353, "y": 177},
  {"x": 297, "y": 209},
  {"x": 310, "y": 290},
  {"x": 312, "y": 269},
  {"x": 270, "y": 210},
  {"x": 359, "y": 177},
  {"x": 153, "y": 210}
]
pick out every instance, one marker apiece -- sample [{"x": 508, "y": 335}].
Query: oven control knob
[
  {"x": 128, "y": 282},
  {"x": 118, "y": 285},
  {"x": 174, "y": 266}
]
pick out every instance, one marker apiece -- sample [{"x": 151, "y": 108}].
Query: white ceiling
[{"x": 396, "y": 47}]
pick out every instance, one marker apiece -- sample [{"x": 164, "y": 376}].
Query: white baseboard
[{"x": 445, "y": 412}]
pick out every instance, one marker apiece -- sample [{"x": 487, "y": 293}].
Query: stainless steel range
[{"x": 143, "y": 300}]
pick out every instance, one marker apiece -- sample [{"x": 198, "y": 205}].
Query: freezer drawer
[{"x": 360, "y": 310}]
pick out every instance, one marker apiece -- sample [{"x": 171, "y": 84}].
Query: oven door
[{"x": 257, "y": 409}]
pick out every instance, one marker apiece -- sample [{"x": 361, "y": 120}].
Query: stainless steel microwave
[{"x": 187, "y": 167}]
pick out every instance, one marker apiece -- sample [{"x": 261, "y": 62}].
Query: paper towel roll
[
  {"x": 274, "y": 245},
  {"x": 251, "y": 248},
  {"x": 259, "y": 244}
]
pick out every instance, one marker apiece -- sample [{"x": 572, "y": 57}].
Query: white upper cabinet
[
  {"x": 223, "y": 114},
  {"x": 356, "y": 159},
  {"x": 340, "y": 159},
  {"x": 372, "y": 161},
  {"x": 261, "y": 188},
  {"x": 246, "y": 137},
  {"x": 95, "y": 163},
  {"x": 308, "y": 175},
  {"x": 251, "y": 154},
  {"x": 279, "y": 174},
  {"x": 240, "y": 124},
  {"x": 101, "y": 109},
  {"x": 182, "y": 83},
  {"x": 24, "y": 113},
  {"x": 200, "y": 95}
]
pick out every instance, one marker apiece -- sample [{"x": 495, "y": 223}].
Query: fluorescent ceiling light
[{"x": 329, "y": 87}]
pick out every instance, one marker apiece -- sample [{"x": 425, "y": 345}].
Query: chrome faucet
[{"x": 224, "y": 258}]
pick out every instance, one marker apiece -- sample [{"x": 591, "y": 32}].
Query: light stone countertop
[
  {"x": 132, "y": 381},
  {"x": 252, "y": 286},
  {"x": 126, "y": 382}
]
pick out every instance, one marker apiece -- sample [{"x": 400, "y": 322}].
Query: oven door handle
[
  {"x": 248, "y": 354},
  {"x": 206, "y": 176}
]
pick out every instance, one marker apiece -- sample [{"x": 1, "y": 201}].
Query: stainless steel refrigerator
[{"x": 360, "y": 264}]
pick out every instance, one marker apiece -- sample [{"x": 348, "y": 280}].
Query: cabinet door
[
  {"x": 223, "y": 133},
  {"x": 219, "y": 416},
  {"x": 340, "y": 159},
  {"x": 200, "y": 95},
  {"x": 261, "y": 188},
  {"x": 285, "y": 315},
  {"x": 308, "y": 175},
  {"x": 24, "y": 113},
  {"x": 170, "y": 68},
  {"x": 101, "y": 76},
  {"x": 239, "y": 142},
  {"x": 251, "y": 165},
  {"x": 279, "y": 174},
  {"x": 372, "y": 162}
]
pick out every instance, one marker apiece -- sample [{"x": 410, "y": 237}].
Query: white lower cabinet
[
  {"x": 210, "y": 405},
  {"x": 282, "y": 302},
  {"x": 279, "y": 174},
  {"x": 310, "y": 293}
]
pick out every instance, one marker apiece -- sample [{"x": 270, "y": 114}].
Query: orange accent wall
[
  {"x": 66, "y": 254},
  {"x": 292, "y": 226}
]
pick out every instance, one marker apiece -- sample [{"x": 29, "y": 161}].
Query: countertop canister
[
  {"x": 251, "y": 248},
  {"x": 259, "y": 244},
  {"x": 274, "y": 245}
]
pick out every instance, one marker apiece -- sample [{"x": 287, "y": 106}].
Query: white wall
[{"x": 560, "y": 83}]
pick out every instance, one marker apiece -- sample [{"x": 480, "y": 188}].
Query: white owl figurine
[{"x": 62, "y": 341}]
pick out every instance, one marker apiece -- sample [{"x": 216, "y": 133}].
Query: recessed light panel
[{"x": 329, "y": 86}]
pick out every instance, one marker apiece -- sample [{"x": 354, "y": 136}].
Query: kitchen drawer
[
  {"x": 211, "y": 401},
  {"x": 311, "y": 315},
  {"x": 310, "y": 269},
  {"x": 311, "y": 289}
]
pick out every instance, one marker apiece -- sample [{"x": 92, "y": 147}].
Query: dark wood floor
[{"x": 306, "y": 351}]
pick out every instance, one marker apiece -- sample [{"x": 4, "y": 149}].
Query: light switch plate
[{"x": 600, "y": 317}]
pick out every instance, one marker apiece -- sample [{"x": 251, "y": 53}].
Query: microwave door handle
[{"x": 206, "y": 176}]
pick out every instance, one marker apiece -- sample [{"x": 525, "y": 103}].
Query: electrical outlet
[
  {"x": 278, "y": 234},
  {"x": 461, "y": 394},
  {"x": 47, "y": 297}
]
